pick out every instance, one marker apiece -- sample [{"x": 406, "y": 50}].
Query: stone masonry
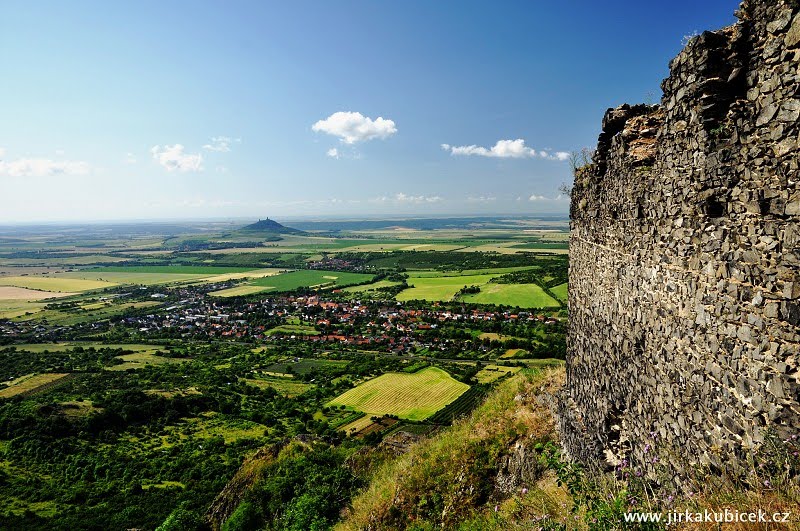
[{"x": 685, "y": 260}]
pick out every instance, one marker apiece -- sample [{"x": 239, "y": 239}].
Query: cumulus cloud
[
  {"x": 481, "y": 199},
  {"x": 353, "y": 127},
  {"x": 130, "y": 158},
  {"x": 221, "y": 144},
  {"x": 505, "y": 149},
  {"x": 174, "y": 158},
  {"x": 333, "y": 153},
  {"x": 42, "y": 167}
]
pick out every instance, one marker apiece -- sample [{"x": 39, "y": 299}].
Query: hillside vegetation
[{"x": 501, "y": 469}]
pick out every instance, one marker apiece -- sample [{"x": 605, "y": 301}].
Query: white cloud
[
  {"x": 535, "y": 197},
  {"x": 505, "y": 149},
  {"x": 405, "y": 198},
  {"x": 42, "y": 167},
  {"x": 558, "y": 155},
  {"x": 173, "y": 158},
  {"x": 352, "y": 127},
  {"x": 481, "y": 199},
  {"x": 221, "y": 144},
  {"x": 333, "y": 153},
  {"x": 130, "y": 158}
]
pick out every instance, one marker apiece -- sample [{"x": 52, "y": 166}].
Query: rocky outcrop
[{"x": 685, "y": 258}]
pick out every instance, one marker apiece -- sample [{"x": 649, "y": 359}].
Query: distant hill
[{"x": 269, "y": 225}]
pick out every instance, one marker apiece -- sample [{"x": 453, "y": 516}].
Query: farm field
[
  {"x": 357, "y": 425},
  {"x": 522, "y": 295},
  {"x": 560, "y": 291},
  {"x": 29, "y": 383},
  {"x": 293, "y": 329},
  {"x": 12, "y": 293},
  {"x": 440, "y": 288},
  {"x": 86, "y": 313},
  {"x": 12, "y": 309},
  {"x": 294, "y": 280},
  {"x": 174, "y": 270},
  {"x": 310, "y": 278},
  {"x": 152, "y": 275},
  {"x": 237, "y": 291},
  {"x": 370, "y": 287},
  {"x": 54, "y": 284},
  {"x": 119, "y": 278},
  {"x": 69, "y": 345},
  {"x": 414, "y": 396}
]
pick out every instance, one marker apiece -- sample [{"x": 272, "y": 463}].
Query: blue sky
[{"x": 156, "y": 110}]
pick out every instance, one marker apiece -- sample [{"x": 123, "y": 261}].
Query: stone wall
[{"x": 684, "y": 259}]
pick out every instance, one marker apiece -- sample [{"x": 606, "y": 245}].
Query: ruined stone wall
[{"x": 685, "y": 258}]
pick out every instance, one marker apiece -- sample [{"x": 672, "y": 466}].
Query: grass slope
[
  {"x": 446, "y": 480},
  {"x": 414, "y": 396}
]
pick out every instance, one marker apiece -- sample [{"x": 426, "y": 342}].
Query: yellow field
[
  {"x": 357, "y": 425},
  {"x": 30, "y": 382},
  {"x": 414, "y": 396},
  {"x": 55, "y": 284},
  {"x": 24, "y": 294},
  {"x": 510, "y": 353}
]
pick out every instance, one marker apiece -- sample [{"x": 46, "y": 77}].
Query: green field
[
  {"x": 414, "y": 396},
  {"x": 173, "y": 270},
  {"x": 305, "y": 278},
  {"x": 84, "y": 314},
  {"x": 299, "y": 330},
  {"x": 310, "y": 278},
  {"x": 560, "y": 291},
  {"x": 440, "y": 288},
  {"x": 371, "y": 287},
  {"x": 238, "y": 291},
  {"x": 284, "y": 386},
  {"x": 69, "y": 345},
  {"x": 28, "y": 383},
  {"x": 522, "y": 295},
  {"x": 11, "y": 309}
]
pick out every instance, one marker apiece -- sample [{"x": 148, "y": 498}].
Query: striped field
[{"x": 414, "y": 396}]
